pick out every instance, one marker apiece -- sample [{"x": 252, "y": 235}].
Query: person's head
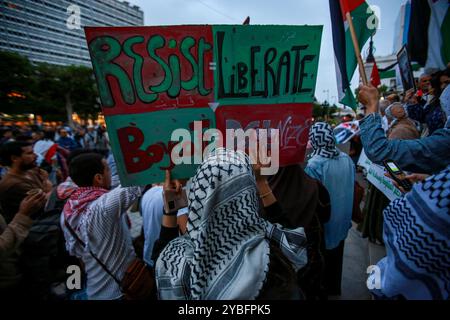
[
  {"x": 444, "y": 79},
  {"x": 62, "y": 133},
  {"x": 24, "y": 138},
  {"x": 322, "y": 140},
  {"x": 393, "y": 98},
  {"x": 90, "y": 170},
  {"x": 81, "y": 131},
  {"x": 49, "y": 135},
  {"x": 396, "y": 111},
  {"x": 36, "y": 135},
  {"x": 8, "y": 133},
  {"x": 424, "y": 82},
  {"x": 383, "y": 106},
  {"x": 18, "y": 155},
  {"x": 226, "y": 232},
  {"x": 439, "y": 82}
]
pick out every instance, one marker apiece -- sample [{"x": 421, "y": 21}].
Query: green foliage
[
  {"x": 16, "y": 77},
  {"x": 382, "y": 89},
  {"x": 46, "y": 88},
  {"x": 321, "y": 111}
]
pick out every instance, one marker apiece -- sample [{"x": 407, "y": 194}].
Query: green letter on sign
[{"x": 103, "y": 51}]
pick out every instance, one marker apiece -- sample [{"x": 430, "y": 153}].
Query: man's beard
[{"x": 29, "y": 166}]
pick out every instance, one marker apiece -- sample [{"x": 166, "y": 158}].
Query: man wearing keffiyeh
[{"x": 97, "y": 216}]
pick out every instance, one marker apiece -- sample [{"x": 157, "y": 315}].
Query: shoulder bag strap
[{"x": 73, "y": 233}]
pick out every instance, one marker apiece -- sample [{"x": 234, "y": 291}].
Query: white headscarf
[{"x": 225, "y": 252}]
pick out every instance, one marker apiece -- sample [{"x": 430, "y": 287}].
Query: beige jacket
[
  {"x": 403, "y": 129},
  {"x": 11, "y": 236}
]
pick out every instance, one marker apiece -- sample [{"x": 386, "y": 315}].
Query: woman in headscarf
[
  {"x": 336, "y": 171},
  {"x": 417, "y": 239},
  {"x": 305, "y": 203},
  {"x": 228, "y": 251}
]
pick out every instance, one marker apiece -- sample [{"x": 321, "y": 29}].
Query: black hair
[
  {"x": 49, "y": 135},
  {"x": 436, "y": 83},
  {"x": 23, "y": 137},
  {"x": 446, "y": 72},
  {"x": 13, "y": 148},
  {"x": 84, "y": 167}
]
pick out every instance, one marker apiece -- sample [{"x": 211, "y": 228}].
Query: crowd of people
[{"x": 242, "y": 235}]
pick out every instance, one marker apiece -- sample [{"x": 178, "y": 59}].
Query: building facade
[{"x": 51, "y": 31}]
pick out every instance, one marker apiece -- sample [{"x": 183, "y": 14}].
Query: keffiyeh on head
[
  {"x": 322, "y": 140},
  {"x": 225, "y": 252}
]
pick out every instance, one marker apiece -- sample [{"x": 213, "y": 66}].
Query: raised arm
[
  {"x": 425, "y": 155},
  {"x": 118, "y": 200}
]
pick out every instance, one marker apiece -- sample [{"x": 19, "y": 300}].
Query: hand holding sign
[{"x": 155, "y": 83}]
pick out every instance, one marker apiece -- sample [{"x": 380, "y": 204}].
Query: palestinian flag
[
  {"x": 365, "y": 23},
  {"x": 429, "y": 33},
  {"x": 372, "y": 73}
]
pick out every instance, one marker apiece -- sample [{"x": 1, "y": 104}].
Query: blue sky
[{"x": 291, "y": 12}]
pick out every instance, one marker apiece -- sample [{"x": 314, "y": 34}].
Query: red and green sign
[{"x": 153, "y": 80}]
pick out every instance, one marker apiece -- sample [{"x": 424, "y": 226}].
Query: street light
[{"x": 327, "y": 103}]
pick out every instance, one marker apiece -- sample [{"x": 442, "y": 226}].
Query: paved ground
[
  {"x": 356, "y": 261},
  {"x": 359, "y": 253}
]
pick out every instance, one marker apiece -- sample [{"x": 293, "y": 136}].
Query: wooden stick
[{"x": 362, "y": 71}]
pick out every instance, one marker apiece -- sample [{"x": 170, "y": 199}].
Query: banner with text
[
  {"x": 155, "y": 80},
  {"x": 375, "y": 175}
]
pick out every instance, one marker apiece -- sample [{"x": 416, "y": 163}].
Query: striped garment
[
  {"x": 225, "y": 253},
  {"x": 417, "y": 238},
  {"x": 103, "y": 227}
]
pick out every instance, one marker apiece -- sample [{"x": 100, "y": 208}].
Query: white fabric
[
  {"x": 106, "y": 233},
  {"x": 41, "y": 147},
  {"x": 225, "y": 252},
  {"x": 152, "y": 206},
  {"x": 385, "y": 123}
]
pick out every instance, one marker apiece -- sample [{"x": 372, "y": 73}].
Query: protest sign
[
  {"x": 406, "y": 73},
  {"x": 375, "y": 175},
  {"x": 154, "y": 80},
  {"x": 345, "y": 131}
]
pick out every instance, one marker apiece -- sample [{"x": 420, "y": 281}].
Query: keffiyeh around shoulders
[
  {"x": 225, "y": 253},
  {"x": 417, "y": 238}
]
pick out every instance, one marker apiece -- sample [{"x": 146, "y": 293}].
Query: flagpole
[{"x": 362, "y": 71}]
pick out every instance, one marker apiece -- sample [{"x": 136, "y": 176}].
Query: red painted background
[{"x": 291, "y": 150}]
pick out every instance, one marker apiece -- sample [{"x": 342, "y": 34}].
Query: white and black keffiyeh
[
  {"x": 322, "y": 140},
  {"x": 225, "y": 252},
  {"x": 416, "y": 234}
]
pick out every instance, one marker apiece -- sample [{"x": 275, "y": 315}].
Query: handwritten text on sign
[{"x": 147, "y": 75}]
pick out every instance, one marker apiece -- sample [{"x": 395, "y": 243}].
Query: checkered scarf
[
  {"x": 225, "y": 253},
  {"x": 322, "y": 140}
]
